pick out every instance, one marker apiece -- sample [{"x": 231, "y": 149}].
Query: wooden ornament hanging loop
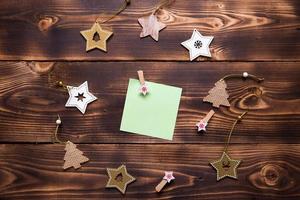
[
  {"x": 239, "y": 118},
  {"x": 218, "y": 94},
  {"x": 61, "y": 84},
  {"x": 245, "y": 75},
  {"x": 55, "y": 138},
  {"x": 121, "y": 9},
  {"x": 163, "y": 3}
]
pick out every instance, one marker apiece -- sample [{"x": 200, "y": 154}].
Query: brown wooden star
[
  {"x": 151, "y": 26},
  {"x": 100, "y": 42},
  {"x": 119, "y": 178},
  {"x": 226, "y": 167}
]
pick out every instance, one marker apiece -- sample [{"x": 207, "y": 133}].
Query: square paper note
[{"x": 154, "y": 114}]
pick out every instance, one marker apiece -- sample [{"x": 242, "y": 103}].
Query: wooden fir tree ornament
[
  {"x": 73, "y": 156},
  {"x": 218, "y": 95},
  {"x": 96, "y": 36}
]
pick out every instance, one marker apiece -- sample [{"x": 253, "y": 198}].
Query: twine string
[
  {"x": 55, "y": 137},
  {"x": 239, "y": 118},
  {"x": 121, "y": 9},
  {"x": 257, "y": 79}
]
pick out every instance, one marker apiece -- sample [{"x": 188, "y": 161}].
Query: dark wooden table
[{"x": 40, "y": 44}]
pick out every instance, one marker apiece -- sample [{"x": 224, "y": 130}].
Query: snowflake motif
[{"x": 198, "y": 44}]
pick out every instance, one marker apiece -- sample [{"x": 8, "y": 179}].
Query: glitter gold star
[
  {"x": 226, "y": 167},
  {"x": 119, "y": 178}
]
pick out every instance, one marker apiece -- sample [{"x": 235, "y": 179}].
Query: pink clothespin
[
  {"x": 201, "y": 125},
  {"x": 143, "y": 88},
  {"x": 166, "y": 179}
]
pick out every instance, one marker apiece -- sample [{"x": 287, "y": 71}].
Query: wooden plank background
[{"x": 40, "y": 44}]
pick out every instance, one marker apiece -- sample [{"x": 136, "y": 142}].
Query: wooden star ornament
[
  {"x": 226, "y": 167},
  {"x": 90, "y": 36},
  {"x": 80, "y": 97},
  {"x": 119, "y": 178},
  {"x": 198, "y": 45},
  {"x": 151, "y": 26}
]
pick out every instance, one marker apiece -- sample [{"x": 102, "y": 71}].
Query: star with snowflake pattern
[{"x": 198, "y": 45}]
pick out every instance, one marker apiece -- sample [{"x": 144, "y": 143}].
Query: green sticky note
[{"x": 154, "y": 114}]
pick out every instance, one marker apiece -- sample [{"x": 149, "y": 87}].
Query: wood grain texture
[
  {"x": 248, "y": 30},
  {"x": 40, "y": 43},
  {"x": 30, "y": 101},
  {"x": 34, "y": 172}
]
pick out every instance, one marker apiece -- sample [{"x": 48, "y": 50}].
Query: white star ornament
[
  {"x": 198, "y": 45},
  {"x": 80, "y": 97}
]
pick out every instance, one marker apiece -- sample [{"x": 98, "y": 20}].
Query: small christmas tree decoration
[
  {"x": 73, "y": 157},
  {"x": 144, "y": 89},
  {"x": 225, "y": 166},
  {"x": 198, "y": 45},
  {"x": 218, "y": 94},
  {"x": 201, "y": 125},
  {"x": 79, "y": 97},
  {"x": 166, "y": 179},
  {"x": 119, "y": 178},
  {"x": 96, "y": 37}
]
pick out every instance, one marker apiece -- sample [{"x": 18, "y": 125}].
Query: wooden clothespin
[
  {"x": 201, "y": 125},
  {"x": 143, "y": 88},
  {"x": 166, "y": 179}
]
